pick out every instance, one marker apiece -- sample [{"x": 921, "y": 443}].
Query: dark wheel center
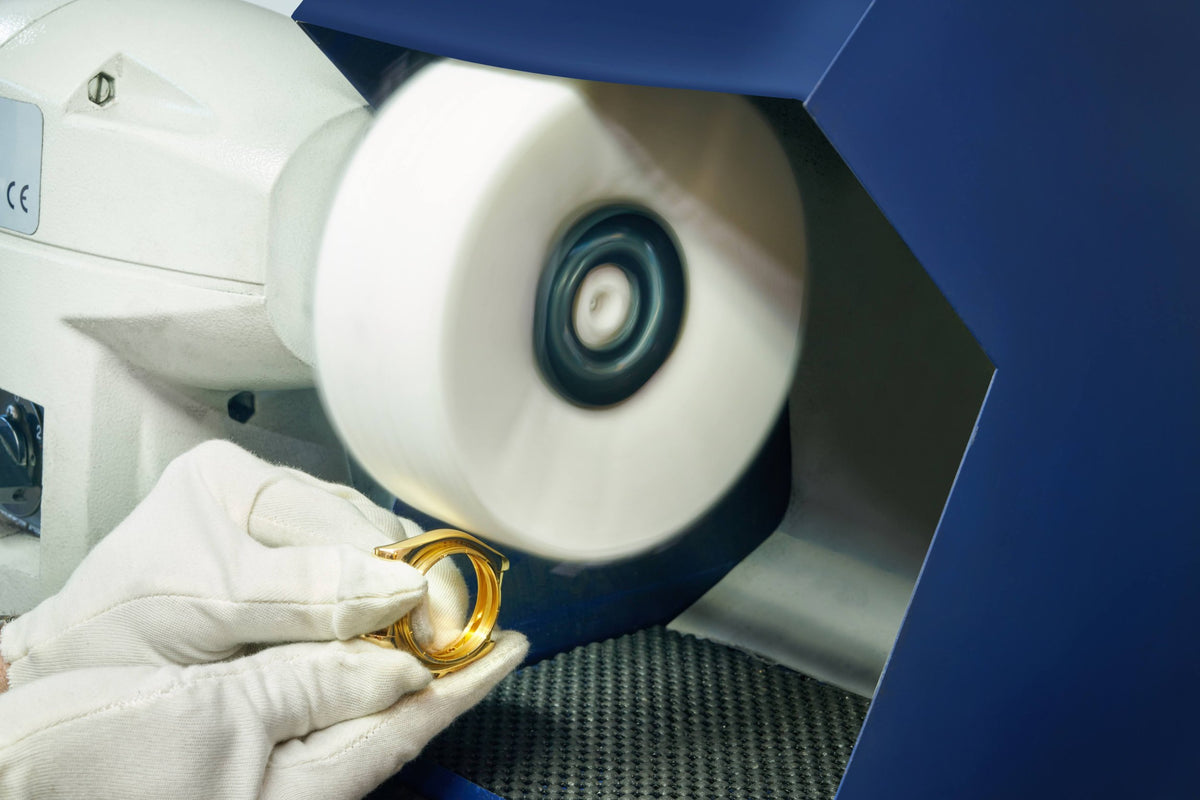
[{"x": 609, "y": 306}]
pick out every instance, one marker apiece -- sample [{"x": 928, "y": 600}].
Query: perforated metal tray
[{"x": 655, "y": 714}]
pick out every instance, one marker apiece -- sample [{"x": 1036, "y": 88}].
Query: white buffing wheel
[{"x": 428, "y": 279}]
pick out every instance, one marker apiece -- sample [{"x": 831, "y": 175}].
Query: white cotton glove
[
  {"x": 319, "y": 720},
  {"x": 114, "y": 692}
]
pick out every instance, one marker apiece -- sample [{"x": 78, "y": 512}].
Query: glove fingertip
[
  {"x": 511, "y": 649},
  {"x": 373, "y": 593},
  {"x": 360, "y": 754}
]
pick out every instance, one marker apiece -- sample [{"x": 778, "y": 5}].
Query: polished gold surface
[{"x": 475, "y": 641}]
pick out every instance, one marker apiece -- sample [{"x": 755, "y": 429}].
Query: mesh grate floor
[{"x": 655, "y": 714}]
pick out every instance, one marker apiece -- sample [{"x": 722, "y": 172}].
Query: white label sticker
[{"x": 20, "y": 165}]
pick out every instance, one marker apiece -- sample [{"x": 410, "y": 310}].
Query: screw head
[
  {"x": 241, "y": 407},
  {"x": 102, "y": 89}
]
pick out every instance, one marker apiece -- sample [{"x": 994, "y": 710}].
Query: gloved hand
[{"x": 127, "y": 682}]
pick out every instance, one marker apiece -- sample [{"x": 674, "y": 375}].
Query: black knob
[{"x": 20, "y": 458}]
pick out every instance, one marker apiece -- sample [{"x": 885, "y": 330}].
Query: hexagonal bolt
[
  {"x": 102, "y": 89},
  {"x": 241, "y": 407}
]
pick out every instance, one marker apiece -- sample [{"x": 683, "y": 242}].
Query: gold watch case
[{"x": 475, "y": 641}]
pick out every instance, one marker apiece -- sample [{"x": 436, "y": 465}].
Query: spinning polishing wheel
[{"x": 563, "y": 315}]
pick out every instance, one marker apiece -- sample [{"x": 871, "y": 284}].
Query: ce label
[{"x": 8, "y": 193}]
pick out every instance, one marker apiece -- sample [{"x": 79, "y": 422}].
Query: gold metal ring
[{"x": 475, "y": 641}]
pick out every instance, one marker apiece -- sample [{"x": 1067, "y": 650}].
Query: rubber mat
[{"x": 655, "y": 714}]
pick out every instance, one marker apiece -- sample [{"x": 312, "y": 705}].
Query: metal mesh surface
[{"x": 655, "y": 714}]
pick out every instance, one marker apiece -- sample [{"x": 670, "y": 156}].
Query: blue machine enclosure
[{"x": 1042, "y": 160}]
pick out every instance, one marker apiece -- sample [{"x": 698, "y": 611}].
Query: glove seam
[
  {"x": 201, "y": 470},
  {"x": 351, "y": 495},
  {"x": 305, "y": 532},
  {"x": 179, "y": 685},
  {"x": 271, "y": 518},
  {"x": 321, "y": 535},
  {"x": 179, "y": 596},
  {"x": 276, "y": 476},
  {"x": 358, "y": 741},
  {"x": 386, "y": 717}
]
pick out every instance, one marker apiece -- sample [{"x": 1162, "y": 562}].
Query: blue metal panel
[
  {"x": 766, "y": 47},
  {"x": 430, "y": 780},
  {"x": 1042, "y": 161}
]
